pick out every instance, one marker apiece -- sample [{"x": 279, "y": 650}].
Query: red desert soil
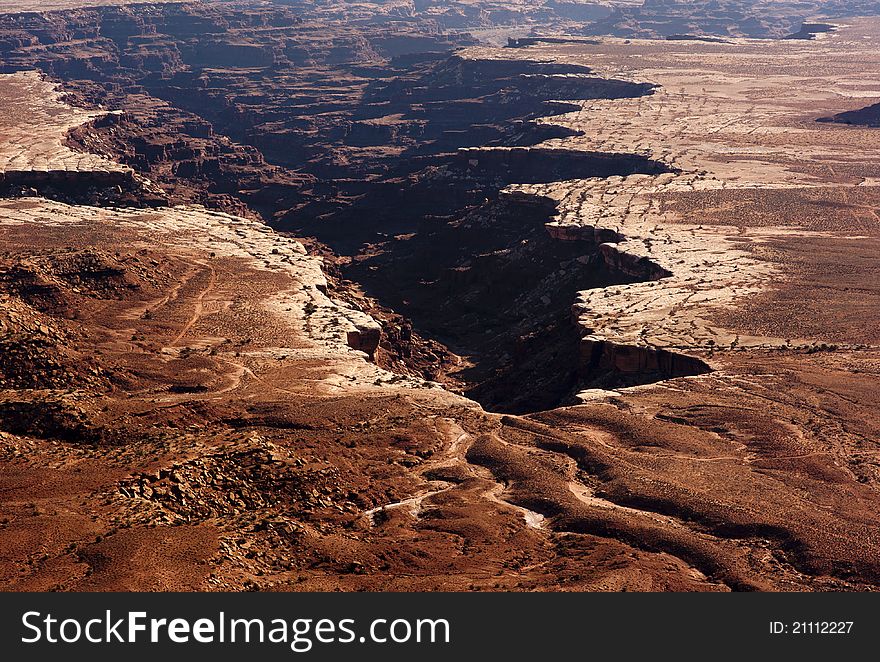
[{"x": 187, "y": 401}]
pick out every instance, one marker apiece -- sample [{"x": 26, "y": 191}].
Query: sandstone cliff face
[{"x": 633, "y": 363}]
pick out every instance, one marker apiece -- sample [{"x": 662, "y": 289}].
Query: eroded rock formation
[{"x": 191, "y": 400}]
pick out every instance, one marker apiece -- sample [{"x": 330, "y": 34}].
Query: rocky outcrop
[
  {"x": 365, "y": 337},
  {"x": 91, "y": 186},
  {"x": 603, "y": 359},
  {"x": 811, "y": 31},
  {"x": 592, "y": 233},
  {"x": 867, "y": 116},
  {"x": 36, "y": 159},
  {"x": 181, "y": 153},
  {"x": 640, "y": 267}
]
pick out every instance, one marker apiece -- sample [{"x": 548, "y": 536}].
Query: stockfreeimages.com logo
[{"x": 299, "y": 634}]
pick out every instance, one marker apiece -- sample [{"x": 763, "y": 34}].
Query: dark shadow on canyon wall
[
  {"x": 494, "y": 287},
  {"x": 475, "y": 268},
  {"x": 867, "y": 116},
  {"x": 609, "y": 365}
]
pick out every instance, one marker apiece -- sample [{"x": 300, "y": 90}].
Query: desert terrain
[{"x": 362, "y": 296}]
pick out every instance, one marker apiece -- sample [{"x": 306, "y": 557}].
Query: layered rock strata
[{"x": 34, "y": 124}]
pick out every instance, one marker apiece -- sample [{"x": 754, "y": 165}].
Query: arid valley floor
[{"x": 361, "y": 296}]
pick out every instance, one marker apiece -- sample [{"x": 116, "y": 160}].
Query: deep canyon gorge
[{"x": 315, "y": 296}]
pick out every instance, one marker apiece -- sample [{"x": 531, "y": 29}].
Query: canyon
[{"x": 318, "y": 296}]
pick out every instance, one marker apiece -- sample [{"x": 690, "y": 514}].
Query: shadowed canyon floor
[{"x": 246, "y": 322}]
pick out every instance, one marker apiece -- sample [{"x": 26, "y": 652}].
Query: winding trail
[{"x": 199, "y": 307}]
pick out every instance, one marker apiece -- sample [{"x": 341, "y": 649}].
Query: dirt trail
[{"x": 199, "y": 306}]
